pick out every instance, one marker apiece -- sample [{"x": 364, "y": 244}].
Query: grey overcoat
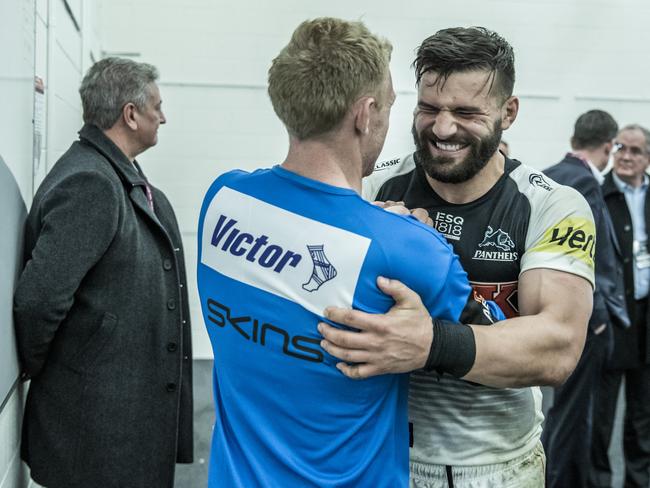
[{"x": 102, "y": 325}]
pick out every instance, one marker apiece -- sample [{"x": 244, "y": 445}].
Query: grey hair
[
  {"x": 644, "y": 131},
  {"x": 110, "y": 84}
]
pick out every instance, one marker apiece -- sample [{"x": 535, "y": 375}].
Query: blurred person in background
[
  {"x": 569, "y": 423},
  {"x": 626, "y": 194}
]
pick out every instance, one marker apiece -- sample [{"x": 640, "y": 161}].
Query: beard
[{"x": 444, "y": 169}]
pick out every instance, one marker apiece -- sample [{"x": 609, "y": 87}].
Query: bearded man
[{"x": 526, "y": 242}]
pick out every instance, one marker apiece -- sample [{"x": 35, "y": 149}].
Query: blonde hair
[{"x": 327, "y": 65}]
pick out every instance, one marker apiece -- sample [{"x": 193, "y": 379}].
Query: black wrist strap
[{"x": 453, "y": 349}]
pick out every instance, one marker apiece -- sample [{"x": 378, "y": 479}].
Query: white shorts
[{"x": 526, "y": 471}]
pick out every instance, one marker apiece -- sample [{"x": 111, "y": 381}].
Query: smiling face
[{"x": 457, "y": 124}]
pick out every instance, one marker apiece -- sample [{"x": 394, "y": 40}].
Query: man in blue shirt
[{"x": 278, "y": 245}]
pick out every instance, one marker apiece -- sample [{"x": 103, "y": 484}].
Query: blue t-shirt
[{"x": 274, "y": 250}]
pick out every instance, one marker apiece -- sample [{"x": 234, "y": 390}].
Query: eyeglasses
[{"x": 634, "y": 150}]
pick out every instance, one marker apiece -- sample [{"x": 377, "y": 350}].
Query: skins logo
[
  {"x": 503, "y": 294},
  {"x": 536, "y": 179},
  {"x": 322, "y": 272},
  {"x": 264, "y": 333}
]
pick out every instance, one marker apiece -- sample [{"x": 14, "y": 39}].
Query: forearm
[
  {"x": 525, "y": 351},
  {"x": 540, "y": 348}
]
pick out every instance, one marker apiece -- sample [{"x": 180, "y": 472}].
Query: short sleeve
[{"x": 561, "y": 234}]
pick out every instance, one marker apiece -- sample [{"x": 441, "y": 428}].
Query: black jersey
[
  {"x": 524, "y": 221},
  {"x": 523, "y": 215}
]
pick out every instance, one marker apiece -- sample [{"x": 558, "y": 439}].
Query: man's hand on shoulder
[{"x": 395, "y": 342}]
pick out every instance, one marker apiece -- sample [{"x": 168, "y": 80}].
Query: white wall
[
  {"x": 72, "y": 39},
  {"x": 572, "y": 55},
  {"x": 52, "y": 39}
]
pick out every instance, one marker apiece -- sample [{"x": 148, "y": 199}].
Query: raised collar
[{"x": 94, "y": 136}]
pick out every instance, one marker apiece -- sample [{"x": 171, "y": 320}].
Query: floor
[{"x": 196, "y": 475}]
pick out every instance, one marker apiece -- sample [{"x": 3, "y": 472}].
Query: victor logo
[
  {"x": 257, "y": 249},
  {"x": 288, "y": 255},
  {"x": 499, "y": 239}
]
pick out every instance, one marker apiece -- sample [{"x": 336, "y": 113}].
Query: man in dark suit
[
  {"x": 101, "y": 309},
  {"x": 626, "y": 194},
  {"x": 568, "y": 430}
]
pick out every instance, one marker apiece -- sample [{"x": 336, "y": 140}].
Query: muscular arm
[
  {"x": 541, "y": 347},
  {"x": 584, "y": 182}
]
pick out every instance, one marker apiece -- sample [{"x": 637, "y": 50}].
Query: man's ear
[
  {"x": 509, "y": 112},
  {"x": 608, "y": 148},
  {"x": 128, "y": 115},
  {"x": 362, "y": 109}
]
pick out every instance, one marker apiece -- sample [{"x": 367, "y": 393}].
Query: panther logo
[{"x": 499, "y": 239}]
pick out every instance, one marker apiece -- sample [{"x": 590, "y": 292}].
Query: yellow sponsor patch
[{"x": 573, "y": 236}]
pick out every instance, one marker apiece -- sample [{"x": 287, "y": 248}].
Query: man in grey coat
[{"x": 101, "y": 310}]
